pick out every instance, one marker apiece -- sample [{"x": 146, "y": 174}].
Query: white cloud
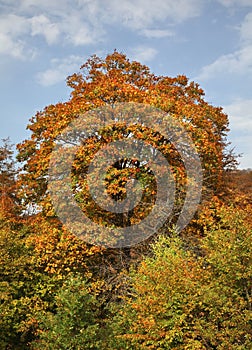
[
  {"x": 84, "y": 22},
  {"x": 78, "y": 32},
  {"x": 231, "y": 3},
  {"x": 157, "y": 33},
  {"x": 142, "y": 14},
  {"x": 8, "y": 46},
  {"x": 143, "y": 54},
  {"x": 14, "y": 24},
  {"x": 42, "y": 25},
  {"x": 239, "y": 62},
  {"x": 59, "y": 70},
  {"x": 240, "y": 114},
  {"x": 12, "y": 30},
  {"x": 240, "y": 117},
  {"x": 42, "y": 6},
  {"x": 246, "y": 28},
  {"x": 244, "y": 142}
]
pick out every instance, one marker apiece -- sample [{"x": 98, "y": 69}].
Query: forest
[{"x": 185, "y": 286}]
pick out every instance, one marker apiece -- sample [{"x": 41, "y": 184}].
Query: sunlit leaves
[
  {"x": 185, "y": 298},
  {"x": 116, "y": 79}
]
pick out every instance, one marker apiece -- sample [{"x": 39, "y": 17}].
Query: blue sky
[{"x": 44, "y": 41}]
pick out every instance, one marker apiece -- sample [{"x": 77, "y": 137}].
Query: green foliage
[
  {"x": 184, "y": 301},
  {"x": 17, "y": 282},
  {"x": 74, "y": 322},
  {"x": 26, "y": 289}
]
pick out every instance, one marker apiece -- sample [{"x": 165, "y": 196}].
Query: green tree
[
  {"x": 74, "y": 324},
  {"x": 18, "y": 279},
  {"x": 186, "y": 301}
]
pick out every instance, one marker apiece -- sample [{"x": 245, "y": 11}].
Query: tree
[
  {"x": 111, "y": 81},
  {"x": 9, "y": 203},
  {"x": 106, "y": 83},
  {"x": 180, "y": 300},
  {"x": 74, "y": 322},
  {"x": 32, "y": 274},
  {"x": 18, "y": 282}
]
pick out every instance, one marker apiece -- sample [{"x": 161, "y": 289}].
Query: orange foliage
[{"x": 109, "y": 81}]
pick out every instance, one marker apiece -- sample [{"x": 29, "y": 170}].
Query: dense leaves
[
  {"x": 75, "y": 324},
  {"x": 9, "y": 203},
  {"x": 186, "y": 291},
  {"x": 182, "y": 296},
  {"x": 187, "y": 301},
  {"x": 107, "y": 82}
]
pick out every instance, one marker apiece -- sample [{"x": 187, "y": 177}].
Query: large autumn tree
[{"x": 109, "y": 81}]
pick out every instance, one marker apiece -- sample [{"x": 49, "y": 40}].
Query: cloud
[
  {"x": 246, "y": 29},
  {"x": 237, "y": 62},
  {"x": 240, "y": 114},
  {"x": 143, "y": 54},
  {"x": 244, "y": 142},
  {"x": 240, "y": 117},
  {"x": 42, "y": 25},
  {"x": 12, "y": 30},
  {"x": 142, "y": 14},
  {"x": 85, "y": 22},
  {"x": 157, "y": 33},
  {"x": 232, "y": 3},
  {"x": 59, "y": 70},
  {"x": 13, "y": 48},
  {"x": 14, "y": 24},
  {"x": 79, "y": 33}
]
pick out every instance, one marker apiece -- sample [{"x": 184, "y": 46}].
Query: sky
[{"x": 44, "y": 41}]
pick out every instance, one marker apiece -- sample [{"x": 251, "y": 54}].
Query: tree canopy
[
  {"x": 188, "y": 289},
  {"x": 113, "y": 80}
]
